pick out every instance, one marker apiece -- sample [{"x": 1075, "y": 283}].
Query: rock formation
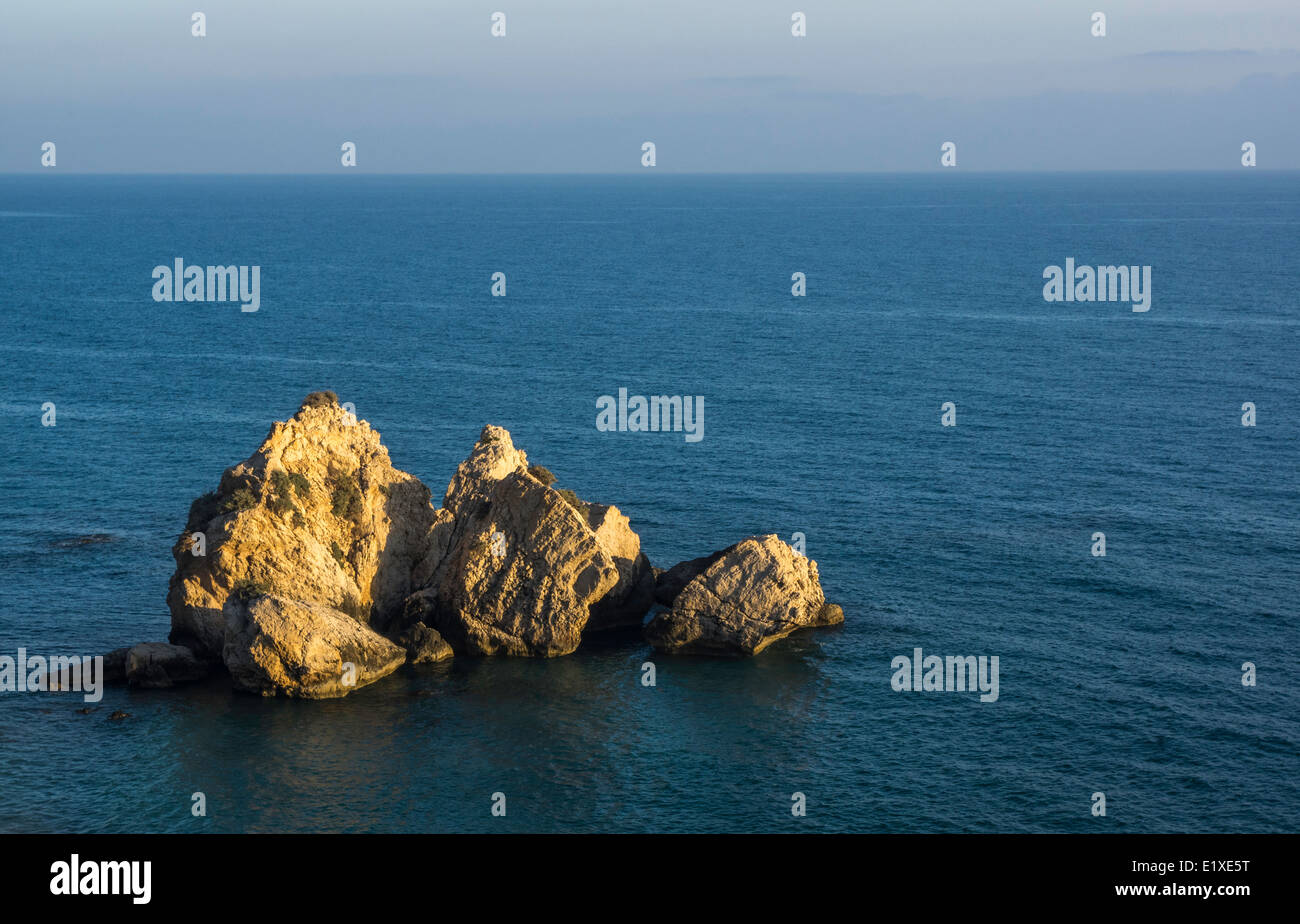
[
  {"x": 317, "y": 514},
  {"x": 316, "y": 568},
  {"x": 516, "y": 567},
  {"x": 747, "y": 597}
]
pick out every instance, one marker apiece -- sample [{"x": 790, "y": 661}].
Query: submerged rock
[
  {"x": 317, "y": 514},
  {"x": 751, "y": 595},
  {"x": 276, "y": 645},
  {"x": 517, "y": 567},
  {"x": 73, "y": 542},
  {"x": 158, "y": 665}
]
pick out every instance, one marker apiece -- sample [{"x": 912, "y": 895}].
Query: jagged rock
[
  {"x": 668, "y": 584},
  {"x": 754, "y": 593},
  {"x": 424, "y": 645},
  {"x": 276, "y": 645},
  {"x": 317, "y": 514},
  {"x": 158, "y": 665},
  {"x": 515, "y": 567}
]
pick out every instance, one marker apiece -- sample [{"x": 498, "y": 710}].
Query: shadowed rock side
[
  {"x": 626, "y": 605},
  {"x": 668, "y": 584},
  {"x": 516, "y": 567},
  {"x": 752, "y": 594},
  {"x": 317, "y": 514}
]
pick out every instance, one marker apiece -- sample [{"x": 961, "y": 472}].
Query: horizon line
[{"x": 940, "y": 171}]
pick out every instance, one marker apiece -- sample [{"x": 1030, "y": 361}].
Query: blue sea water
[{"x": 1119, "y": 674}]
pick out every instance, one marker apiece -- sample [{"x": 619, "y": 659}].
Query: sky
[{"x": 577, "y": 86}]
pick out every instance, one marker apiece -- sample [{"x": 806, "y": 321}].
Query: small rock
[
  {"x": 424, "y": 645},
  {"x": 754, "y": 593},
  {"x": 158, "y": 665}
]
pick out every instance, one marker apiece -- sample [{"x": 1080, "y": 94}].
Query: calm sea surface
[{"x": 1119, "y": 675}]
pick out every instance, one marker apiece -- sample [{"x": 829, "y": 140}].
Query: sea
[{"x": 1163, "y": 676}]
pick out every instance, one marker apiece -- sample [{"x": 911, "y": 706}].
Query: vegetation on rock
[
  {"x": 247, "y": 588},
  {"x": 240, "y": 499},
  {"x": 542, "y": 474},
  {"x": 345, "y": 498},
  {"x": 281, "y": 500},
  {"x": 320, "y": 399}
]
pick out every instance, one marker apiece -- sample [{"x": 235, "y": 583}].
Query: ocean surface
[{"x": 1119, "y": 674}]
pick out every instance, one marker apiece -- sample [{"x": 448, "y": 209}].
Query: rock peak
[
  {"x": 321, "y": 409},
  {"x": 491, "y": 433},
  {"x": 493, "y": 458}
]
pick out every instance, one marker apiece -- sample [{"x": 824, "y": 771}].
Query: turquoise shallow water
[{"x": 1119, "y": 675}]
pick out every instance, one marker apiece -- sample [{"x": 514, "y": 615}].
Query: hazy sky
[{"x": 577, "y": 85}]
